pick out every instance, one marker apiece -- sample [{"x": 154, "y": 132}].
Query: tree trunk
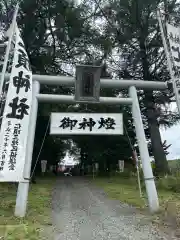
[
  {"x": 151, "y": 114},
  {"x": 161, "y": 164}
]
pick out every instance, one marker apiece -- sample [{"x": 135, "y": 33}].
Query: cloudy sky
[{"x": 172, "y": 135}]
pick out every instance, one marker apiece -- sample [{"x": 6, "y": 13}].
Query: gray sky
[{"x": 172, "y": 135}]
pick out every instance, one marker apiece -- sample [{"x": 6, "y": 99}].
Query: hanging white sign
[
  {"x": 43, "y": 165},
  {"x": 86, "y": 123},
  {"x": 51, "y": 168},
  {"x": 15, "y": 123},
  {"x": 97, "y": 166},
  {"x": 121, "y": 165}
]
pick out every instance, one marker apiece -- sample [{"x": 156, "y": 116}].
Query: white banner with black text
[
  {"x": 174, "y": 42},
  {"x": 86, "y": 124},
  {"x": 43, "y": 166},
  {"x": 15, "y": 123},
  {"x": 121, "y": 165}
]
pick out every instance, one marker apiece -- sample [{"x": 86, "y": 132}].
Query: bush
[{"x": 170, "y": 183}]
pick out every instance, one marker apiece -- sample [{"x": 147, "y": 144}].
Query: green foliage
[
  {"x": 134, "y": 29},
  {"x": 169, "y": 183},
  {"x": 174, "y": 166},
  {"x": 36, "y": 222}
]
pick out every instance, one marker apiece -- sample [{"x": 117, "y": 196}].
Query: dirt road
[{"x": 83, "y": 212}]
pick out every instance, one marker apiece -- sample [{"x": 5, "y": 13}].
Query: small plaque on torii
[{"x": 87, "y": 84}]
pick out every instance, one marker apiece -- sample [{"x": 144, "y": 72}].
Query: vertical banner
[
  {"x": 9, "y": 34},
  {"x": 121, "y": 165},
  {"x": 172, "y": 54},
  {"x": 97, "y": 166},
  {"x": 174, "y": 42},
  {"x": 43, "y": 165},
  {"x": 15, "y": 123},
  {"x": 51, "y": 168}
]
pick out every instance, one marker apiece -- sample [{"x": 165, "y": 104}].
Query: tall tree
[
  {"x": 57, "y": 35},
  {"x": 133, "y": 28}
]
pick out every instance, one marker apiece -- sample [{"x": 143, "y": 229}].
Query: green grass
[
  {"x": 121, "y": 189},
  {"x": 126, "y": 190},
  {"x": 174, "y": 165},
  {"x": 33, "y": 226}
]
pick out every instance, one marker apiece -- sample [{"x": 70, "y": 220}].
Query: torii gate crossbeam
[{"x": 105, "y": 83}]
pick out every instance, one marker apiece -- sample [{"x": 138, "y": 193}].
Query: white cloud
[{"x": 172, "y": 135}]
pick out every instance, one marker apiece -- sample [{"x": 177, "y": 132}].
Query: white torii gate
[{"x": 23, "y": 188}]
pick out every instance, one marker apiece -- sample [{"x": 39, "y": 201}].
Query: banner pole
[
  {"x": 8, "y": 49},
  {"x": 138, "y": 173},
  {"x": 169, "y": 62}
]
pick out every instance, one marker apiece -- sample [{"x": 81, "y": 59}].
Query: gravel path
[{"x": 83, "y": 212}]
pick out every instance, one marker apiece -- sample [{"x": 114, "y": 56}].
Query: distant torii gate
[{"x": 22, "y": 194}]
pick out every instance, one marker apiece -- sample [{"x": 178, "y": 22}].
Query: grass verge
[
  {"x": 126, "y": 190},
  {"x": 38, "y": 216}
]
